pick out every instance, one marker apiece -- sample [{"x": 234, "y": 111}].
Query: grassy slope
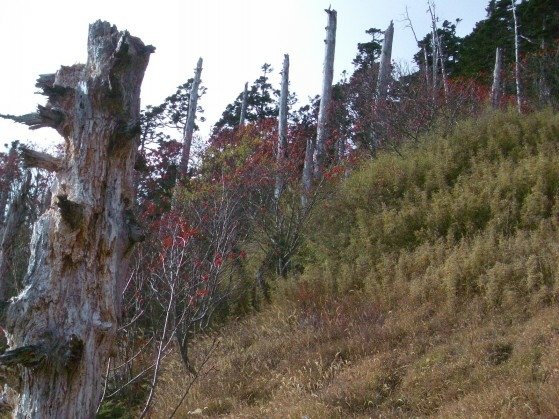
[{"x": 430, "y": 288}]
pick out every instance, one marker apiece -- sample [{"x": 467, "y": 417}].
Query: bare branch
[{"x": 39, "y": 160}]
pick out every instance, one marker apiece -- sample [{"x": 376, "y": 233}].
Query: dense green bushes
[{"x": 471, "y": 215}]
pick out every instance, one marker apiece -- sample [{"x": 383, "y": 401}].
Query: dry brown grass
[
  {"x": 430, "y": 288},
  {"x": 351, "y": 359}
]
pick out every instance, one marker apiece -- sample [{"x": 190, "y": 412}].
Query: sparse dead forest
[{"x": 277, "y": 267}]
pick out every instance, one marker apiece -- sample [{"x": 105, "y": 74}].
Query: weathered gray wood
[
  {"x": 496, "y": 89},
  {"x": 38, "y": 160},
  {"x": 385, "y": 66},
  {"x": 326, "y": 96},
  {"x": 244, "y": 106},
  {"x": 281, "y": 153},
  {"x": 70, "y": 306},
  {"x": 189, "y": 126}
]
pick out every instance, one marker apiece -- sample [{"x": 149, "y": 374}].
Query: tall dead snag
[
  {"x": 385, "y": 68},
  {"x": 517, "y": 59},
  {"x": 190, "y": 118},
  {"x": 244, "y": 106},
  {"x": 326, "y": 97},
  {"x": 282, "y": 125},
  {"x": 496, "y": 90},
  {"x": 62, "y": 327},
  {"x": 438, "y": 54}
]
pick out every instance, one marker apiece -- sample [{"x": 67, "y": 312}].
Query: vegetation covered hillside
[{"x": 429, "y": 286}]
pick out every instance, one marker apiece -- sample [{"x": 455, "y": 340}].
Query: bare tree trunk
[
  {"x": 325, "y": 99},
  {"x": 244, "y": 106},
  {"x": 307, "y": 172},
  {"x": 385, "y": 67},
  {"x": 282, "y": 126},
  {"x": 189, "y": 126},
  {"x": 517, "y": 59},
  {"x": 62, "y": 326},
  {"x": 496, "y": 91},
  {"x": 14, "y": 219},
  {"x": 443, "y": 68},
  {"x": 423, "y": 49},
  {"x": 434, "y": 57}
]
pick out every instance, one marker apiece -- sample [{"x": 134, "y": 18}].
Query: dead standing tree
[
  {"x": 281, "y": 153},
  {"x": 62, "y": 326},
  {"x": 189, "y": 126},
  {"x": 244, "y": 106},
  {"x": 496, "y": 88},
  {"x": 326, "y": 97}
]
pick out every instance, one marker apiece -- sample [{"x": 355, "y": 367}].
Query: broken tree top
[
  {"x": 108, "y": 51},
  {"x": 63, "y": 324}
]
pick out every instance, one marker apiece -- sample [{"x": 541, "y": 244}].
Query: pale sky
[{"x": 234, "y": 37}]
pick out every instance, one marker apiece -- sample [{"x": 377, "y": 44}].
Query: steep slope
[{"x": 430, "y": 288}]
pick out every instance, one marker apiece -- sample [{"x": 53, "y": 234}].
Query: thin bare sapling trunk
[
  {"x": 517, "y": 58},
  {"x": 62, "y": 327},
  {"x": 496, "y": 89},
  {"x": 434, "y": 56},
  {"x": 244, "y": 106},
  {"x": 423, "y": 49},
  {"x": 282, "y": 127},
  {"x": 191, "y": 117},
  {"x": 326, "y": 97}
]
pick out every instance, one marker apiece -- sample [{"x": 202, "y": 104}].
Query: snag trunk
[
  {"x": 385, "y": 62},
  {"x": 496, "y": 87},
  {"x": 326, "y": 97},
  {"x": 282, "y": 125},
  {"x": 244, "y": 106},
  {"x": 189, "y": 126},
  {"x": 62, "y": 326}
]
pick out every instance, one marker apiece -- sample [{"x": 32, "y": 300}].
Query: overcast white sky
[{"x": 235, "y": 37}]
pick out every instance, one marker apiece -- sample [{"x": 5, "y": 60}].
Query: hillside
[{"x": 429, "y": 286}]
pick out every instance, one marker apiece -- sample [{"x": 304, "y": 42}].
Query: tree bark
[
  {"x": 62, "y": 326},
  {"x": 385, "y": 63},
  {"x": 189, "y": 126},
  {"x": 326, "y": 97},
  {"x": 244, "y": 106},
  {"x": 282, "y": 126},
  {"x": 496, "y": 91}
]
